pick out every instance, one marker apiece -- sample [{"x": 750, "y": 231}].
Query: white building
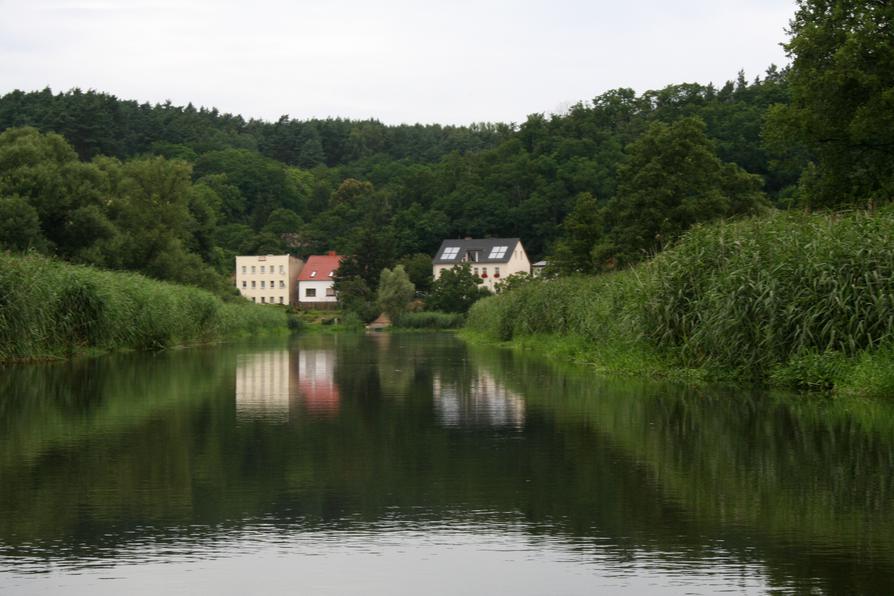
[
  {"x": 315, "y": 284},
  {"x": 268, "y": 279},
  {"x": 491, "y": 259}
]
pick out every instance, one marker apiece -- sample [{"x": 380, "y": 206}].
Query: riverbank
[
  {"x": 790, "y": 299},
  {"x": 52, "y": 309}
]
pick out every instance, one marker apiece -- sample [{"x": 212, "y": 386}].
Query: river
[{"x": 416, "y": 464}]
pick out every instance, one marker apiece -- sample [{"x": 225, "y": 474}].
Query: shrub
[{"x": 430, "y": 319}]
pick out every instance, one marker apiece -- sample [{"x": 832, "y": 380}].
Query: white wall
[{"x": 320, "y": 287}]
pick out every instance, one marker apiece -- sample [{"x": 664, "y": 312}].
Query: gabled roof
[
  {"x": 489, "y": 250},
  {"x": 320, "y": 267}
]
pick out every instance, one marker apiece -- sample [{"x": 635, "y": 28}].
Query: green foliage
[
  {"x": 671, "y": 180},
  {"x": 810, "y": 371},
  {"x": 871, "y": 374},
  {"x": 515, "y": 281},
  {"x": 50, "y": 309},
  {"x": 355, "y": 296},
  {"x": 430, "y": 319},
  {"x": 456, "y": 290},
  {"x": 582, "y": 232},
  {"x": 419, "y": 269},
  {"x": 19, "y": 225},
  {"x": 591, "y": 307},
  {"x": 842, "y": 100},
  {"x": 395, "y": 291}
]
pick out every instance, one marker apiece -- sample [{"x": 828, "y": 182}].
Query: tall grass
[
  {"x": 50, "y": 308},
  {"x": 797, "y": 298},
  {"x": 754, "y": 294}
]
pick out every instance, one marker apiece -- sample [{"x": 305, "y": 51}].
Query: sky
[{"x": 398, "y": 61}]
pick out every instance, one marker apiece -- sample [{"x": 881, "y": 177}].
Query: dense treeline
[
  {"x": 101, "y": 124},
  {"x": 251, "y": 187}
]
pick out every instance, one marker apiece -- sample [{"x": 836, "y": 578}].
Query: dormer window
[{"x": 313, "y": 273}]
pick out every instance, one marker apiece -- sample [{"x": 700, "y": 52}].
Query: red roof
[{"x": 320, "y": 267}]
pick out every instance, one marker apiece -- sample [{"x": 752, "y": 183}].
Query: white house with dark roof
[{"x": 491, "y": 259}]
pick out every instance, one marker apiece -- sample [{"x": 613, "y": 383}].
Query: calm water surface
[{"x": 408, "y": 464}]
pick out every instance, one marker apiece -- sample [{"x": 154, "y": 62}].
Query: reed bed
[
  {"x": 50, "y": 308},
  {"x": 755, "y": 294},
  {"x": 800, "y": 299}
]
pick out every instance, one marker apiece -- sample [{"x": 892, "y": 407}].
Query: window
[
  {"x": 313, "y": 273},
  {"x": 252, "y": 268},
  {"x": 496, "y": 272},
  {"x": 331, "y": 273},
  {"x": 473, "y": 256},
  {"x": 253, "y": 299},
  {"x": 475, "y": 270},
  {"x": 498, "y": 252},
  {"x": 281, "y": 270},
  {"x": 280, "y": 299},
  {"x": 450, "y": 253},
  {"x": 330, "y": 291},
  {"x": 262, "y": 269},
  {"x": 263, "y": 300},
  {"x": 244, "y": 283},
  {"x": 484, "y": 272},
  {"x": 262, "y": 284},
  {"x": 253, "y": 283},
  {"x": 244, "y": 269},
  {"x": 282, "y": 284},
  {"x": 272, "y": 301},
  {"x": 310, "y": 292}
]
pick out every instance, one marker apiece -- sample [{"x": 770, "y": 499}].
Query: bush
[{"x": 431, "y": 319}]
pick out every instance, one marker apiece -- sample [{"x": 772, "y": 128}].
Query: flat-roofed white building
[
  {"x": 491, "y": 259},
  {"x": 269, "y": 279}
]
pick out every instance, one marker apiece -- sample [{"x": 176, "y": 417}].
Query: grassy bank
[
  {"x": 799, "y": 300},
  {"x": 53, "y": 309}
]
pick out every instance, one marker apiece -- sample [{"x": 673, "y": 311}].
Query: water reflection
[
  {"x": 419, "y": 444},
  {"x": 263, "y": 386},
  {"x": 481, "y": 402},
  {"x": 316, "y": 386},
  {"x": 281, "y": 385}
]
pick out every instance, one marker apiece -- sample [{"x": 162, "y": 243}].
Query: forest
[{"x": 175, "y": 192}]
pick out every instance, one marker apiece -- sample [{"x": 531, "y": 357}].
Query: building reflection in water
[
  {"x": 316, "y": 388},
  {"x": 282, "y": 385},
  {"x": 263, "y": 386},
  {"x": 477, "y": 401}
]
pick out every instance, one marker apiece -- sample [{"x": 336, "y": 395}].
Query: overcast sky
[{"x": 453, "y": 62}]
